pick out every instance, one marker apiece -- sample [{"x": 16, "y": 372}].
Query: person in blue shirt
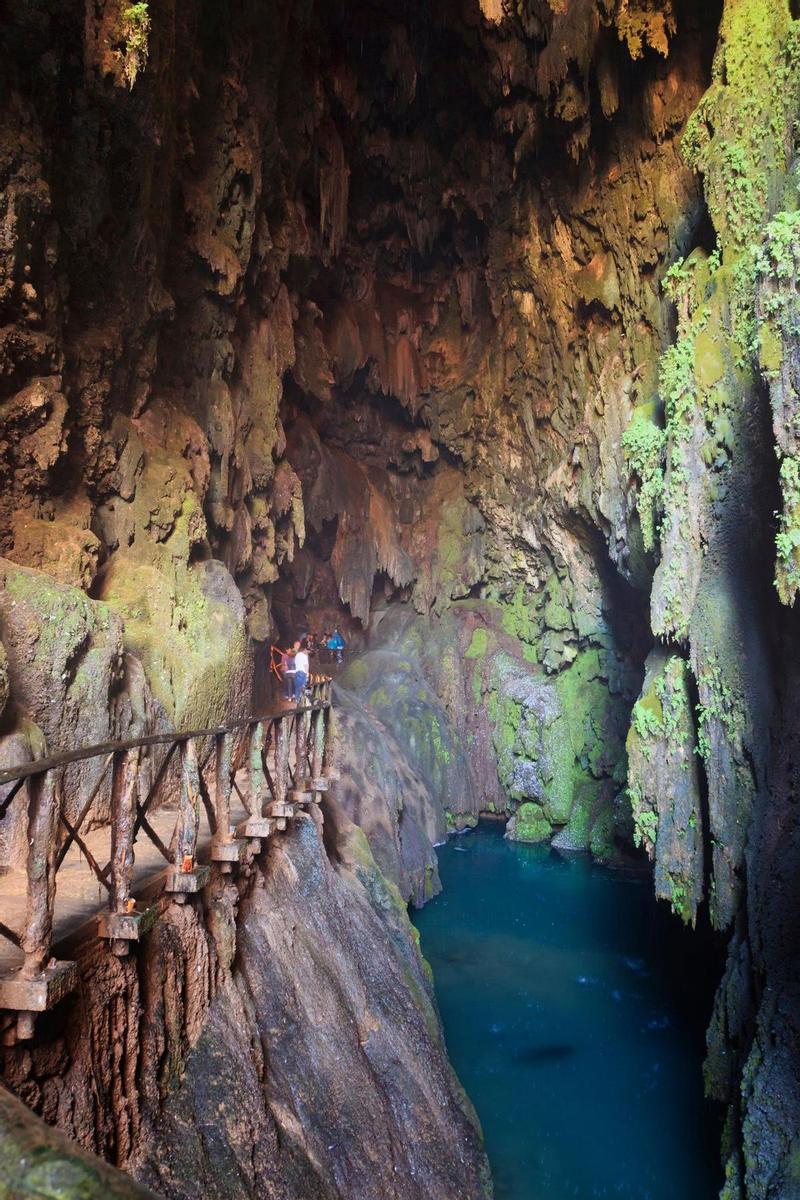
[{"x": 336, "y": 645}]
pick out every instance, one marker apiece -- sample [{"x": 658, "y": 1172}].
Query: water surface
[{"x": 573, "y": 1020}]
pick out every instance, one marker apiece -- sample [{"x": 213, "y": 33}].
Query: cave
[{"x": 470, "y": 330}]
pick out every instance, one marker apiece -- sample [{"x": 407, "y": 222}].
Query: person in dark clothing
[{"x": 289, "y": 672}]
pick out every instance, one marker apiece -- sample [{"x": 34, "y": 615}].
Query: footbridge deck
[{"x": 179, "y": 803}]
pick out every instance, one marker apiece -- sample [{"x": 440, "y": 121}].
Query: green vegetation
[
  {"x": 643, "y": 445},
  {"x": 660, "y": 743},
  {"x": 719, "y": 705},
  {"x": 787, "y": 539},
  {"x": 135, "y": 20},
  {"x": 519, "y": 620}
]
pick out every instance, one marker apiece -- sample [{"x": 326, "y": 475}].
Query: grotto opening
[{"x": 472, "y": 328}]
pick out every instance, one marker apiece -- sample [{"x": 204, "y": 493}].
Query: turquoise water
[{"x": 572, "y": 1018}]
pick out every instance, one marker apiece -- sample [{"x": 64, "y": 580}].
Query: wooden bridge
[{"x": 204, "y": 794}]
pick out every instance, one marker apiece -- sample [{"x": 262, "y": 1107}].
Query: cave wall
[
  {"x": 473, "y": 328},
  {"x": 293, "y": 317}
]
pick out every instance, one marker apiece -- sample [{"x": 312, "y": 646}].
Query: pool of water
[{"x": 572, "y": 1017}]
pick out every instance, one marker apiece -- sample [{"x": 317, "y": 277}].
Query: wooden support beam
[
  {"x": 281, "y": 810},
  {"x": 186, "y": 882},
  {"x": 130, "y": 926},
  {"x": 256, "y": 827}
]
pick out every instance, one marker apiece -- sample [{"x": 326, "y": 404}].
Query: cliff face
[{"x": 473, "y": 329}]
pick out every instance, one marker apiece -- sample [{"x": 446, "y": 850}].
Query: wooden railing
[{"x": 273, "y": 762}]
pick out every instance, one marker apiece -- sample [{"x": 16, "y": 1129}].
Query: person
[
  {"x": 301, "y": 671},
  {"x": 288, "y": 671},
  {"x": 336, "y": 645}
]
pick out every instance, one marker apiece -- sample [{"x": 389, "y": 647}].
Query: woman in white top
[{"x": 301, "y": 672}]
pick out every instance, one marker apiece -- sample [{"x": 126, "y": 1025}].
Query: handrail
[
  {"x": 283, "y": 756},
  {"x": 65, "y": 757}
]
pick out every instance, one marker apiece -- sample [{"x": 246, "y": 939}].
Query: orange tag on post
[{"x": 187, "y": 864}]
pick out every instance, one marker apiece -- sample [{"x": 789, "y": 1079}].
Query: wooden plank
[{"x": 40, "y": 993}]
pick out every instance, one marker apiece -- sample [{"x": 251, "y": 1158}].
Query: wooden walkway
[{"x": 180, "y": 803}]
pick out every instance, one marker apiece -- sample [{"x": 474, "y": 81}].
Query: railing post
[
  {"x": 281, "y": 808},
  {"x": 122, "y": 924},
  {"x": 225, "y": 848},
  {"x": 223, "y": 775},
  {"x": 186, "y": 876},
  {"x": 282, "y": 757},
  {"x": 257, "y": 825},
  {"x": 43, "y": 804},
  {"x": 327, "y": 737},
  {"x": 317, "y": 741},
  {"x": 124, "y": 780},
  {"x": 123, "y": 803},
  {"x": 256, "y": 780},
  {"x": 40, "y": 983},
  {"x": 301, "y": 747}
]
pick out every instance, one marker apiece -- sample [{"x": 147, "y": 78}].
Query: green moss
[
  {"x": 602, "y": 842},
  {"x": 440, "y": 748},
  {"x": 770, "y": 349},
  {"x": 518, "y": 620},
  {"x": 478, "y": 645},
  {"x": 355, "y": 675},
  {"x": 736, "y": 137},
  {"x": 787, "y": 539},
  {"x": 643, "y": 445},
  {"x": 531, "y": 824},
  {"x": 661, "y": 728},
  {"x": 719, "y": 705},
  {"x": 135, "y": 38}
]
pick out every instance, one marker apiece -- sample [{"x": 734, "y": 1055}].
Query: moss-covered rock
[
  {"x": 187, "y": 628},
  {"x": 664, "y": 782},
  {"x": 529, "y": 824},
  {"x": 38, "y": 1162}
]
